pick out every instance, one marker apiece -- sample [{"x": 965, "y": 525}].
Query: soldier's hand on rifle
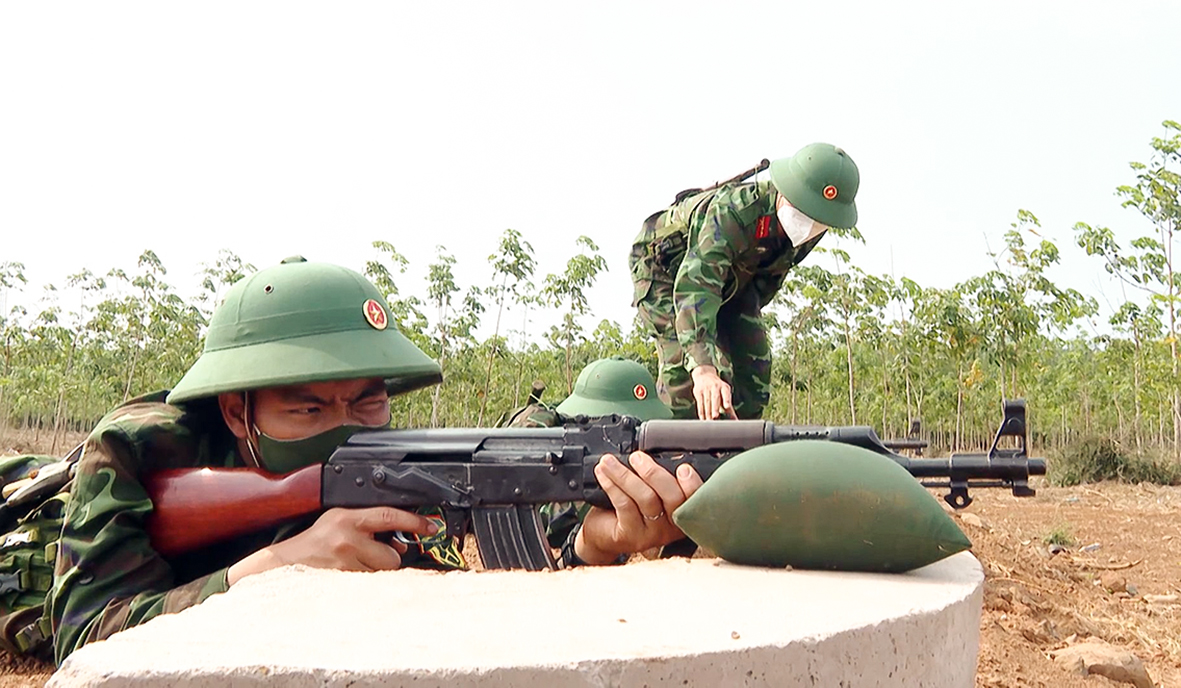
[
  {"x": 340, "y": 539},
  {"x": 643, "y": 499},
  {"x": 712, "y": 393}
]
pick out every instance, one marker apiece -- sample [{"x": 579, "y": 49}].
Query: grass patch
[
  {"x": 1097, "y": 459},
  {"x": 1060, "y": 535}
]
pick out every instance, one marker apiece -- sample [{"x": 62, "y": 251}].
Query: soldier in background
[
  {"x": 704, "y": 269},
  {"x": 606, "y": 386}
]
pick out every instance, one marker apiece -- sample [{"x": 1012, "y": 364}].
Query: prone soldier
[{"x": 297, "y": 358}]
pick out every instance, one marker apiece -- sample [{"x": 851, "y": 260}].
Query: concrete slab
[{"x": 682, "y": 622}]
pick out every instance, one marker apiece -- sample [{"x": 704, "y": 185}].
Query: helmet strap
[{"x": 251, "y": 432}]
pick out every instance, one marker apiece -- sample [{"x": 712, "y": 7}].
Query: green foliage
[
  {"x": 848, "y": 346},
  {"x": 569, "y": 289},
  {"x": 1059, "y": 535},
  {"x": 1095, "y": 459}
]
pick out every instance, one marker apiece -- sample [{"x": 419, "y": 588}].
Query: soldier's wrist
[
  {"x": 695, "y": 362},
  {"x": 262, "y": 560},
  {"x": 578, "y": 552}
]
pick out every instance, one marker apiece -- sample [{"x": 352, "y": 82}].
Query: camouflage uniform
[
  {"x": 703, "y": 270},
  {"x": 108, "y": 577}
]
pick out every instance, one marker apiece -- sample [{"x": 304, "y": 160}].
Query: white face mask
[{"x": 799, "y": 227}]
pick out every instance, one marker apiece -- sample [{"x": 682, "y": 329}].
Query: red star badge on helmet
[
  {"x": 830, "y": 192},
  {"x": 375, "y": 315},
  {"x": 641, "y": 392}
]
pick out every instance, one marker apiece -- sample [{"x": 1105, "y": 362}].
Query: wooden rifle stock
[{"x": 196, "y": 507}]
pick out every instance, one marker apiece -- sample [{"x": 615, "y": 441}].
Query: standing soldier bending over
[
  {"x": 704, "y": 269},
  {"x": 297, "y": 358}
]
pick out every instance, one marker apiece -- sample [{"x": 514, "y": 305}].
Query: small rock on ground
[{"x": 1097, "y": 657}]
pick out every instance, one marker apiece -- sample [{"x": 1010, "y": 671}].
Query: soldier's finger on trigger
[{"x": 375, "y": 519}]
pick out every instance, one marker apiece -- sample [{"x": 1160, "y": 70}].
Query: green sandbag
[{"x": 819, "y": 505}]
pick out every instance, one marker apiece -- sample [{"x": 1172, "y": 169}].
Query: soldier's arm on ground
[
  {"x": 698, "y": 291},
  {"x": 108, "y": 577}
]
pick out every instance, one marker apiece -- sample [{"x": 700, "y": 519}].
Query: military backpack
[{"x": 35, "y": 489}]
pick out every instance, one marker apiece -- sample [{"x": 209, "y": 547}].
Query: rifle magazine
[{"x": 511, "y": 537}]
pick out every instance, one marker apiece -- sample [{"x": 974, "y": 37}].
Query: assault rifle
[{"x": 490, "y": 480}]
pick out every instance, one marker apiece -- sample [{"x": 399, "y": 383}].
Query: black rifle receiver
[{"x": 490, "y": 481}]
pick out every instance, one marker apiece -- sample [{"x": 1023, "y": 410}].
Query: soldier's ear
[{"x": 233, "y": 412}]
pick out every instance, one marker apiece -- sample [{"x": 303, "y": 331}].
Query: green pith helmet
[
  {"x": 821, "y": 182},
  {"x": 301, "y": 322},
  {"x": 615, "y": 385}
]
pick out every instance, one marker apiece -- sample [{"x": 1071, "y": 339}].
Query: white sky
[{"x": 316, "y": 128}]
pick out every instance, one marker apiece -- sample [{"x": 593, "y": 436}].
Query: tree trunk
[
  {"x": 1001, "y": 380},
  {"x": 435, "y": 394},
  {"x": 61, "y": 405},
  {"x": 959, "y": 407},
  {"x": 1136, "y": 387},
  {"x": 521, "y": 361},
  {"x": 569, "y": 346},
  {"x": 885, "y": 391},
  {"x": 491, "y": 352},
  {"x": 795, "y": 352},
  {"x": 1167, "y": 232},
  {"x": 849, "y": 362},
  {"x": 131, "y": 372}
]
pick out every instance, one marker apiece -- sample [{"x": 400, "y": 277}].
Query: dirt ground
[
  {"x": 1118, "y": 580},
  {"x": 1123, "y": 536}
]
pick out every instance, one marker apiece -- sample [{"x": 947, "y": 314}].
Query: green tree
[
  {"x": 440, "y": 288},
  {"x": 513, "y": 266},
  {"x": 1148, "y": 266},
  {"x": 403, "y": 309},
  {"x": 224, "y": 272},
  {"x": 569, "y": 289}
]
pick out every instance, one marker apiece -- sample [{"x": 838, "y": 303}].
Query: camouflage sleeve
[
  {"x": 533, "y": 416},
  {"x": 701, "y": 279},
  {"x": 107, "y": 576}
]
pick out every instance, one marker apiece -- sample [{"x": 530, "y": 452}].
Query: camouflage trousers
[{"x": 744, "y": 351}]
